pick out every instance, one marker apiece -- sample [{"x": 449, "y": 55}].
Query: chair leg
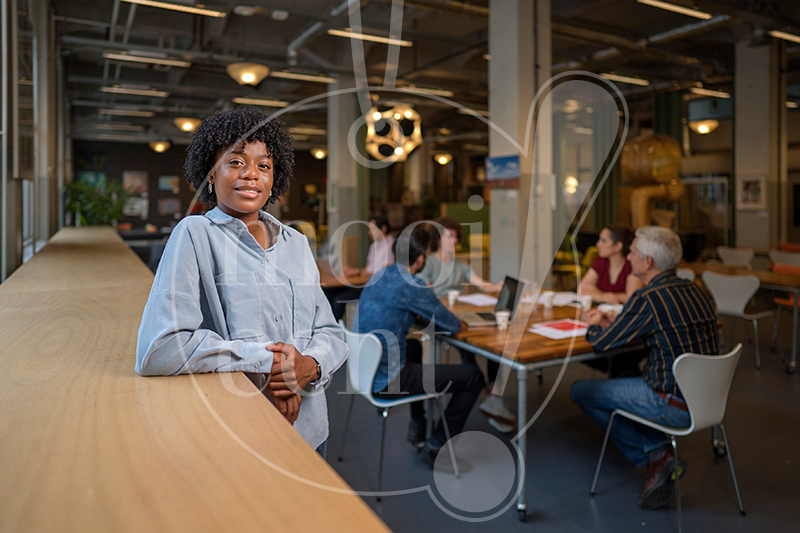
[
  {"x": 346, "y": 423},
  {"x": 758, "y": 352},
  {"x": 602, "y": 453},
  {"x": 384, "y": 414},
  {"x": 450, "y": 447},
  {"x": 733, "y": 473},
  {"x": 775, "y": 322},
  {"x": 732, "y": 320},
  {"x": 677, "y": 481}
]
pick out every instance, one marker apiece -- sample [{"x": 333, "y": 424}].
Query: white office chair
[
  {"x": 685, "y": 273},
  {"x": 784, "y": 258},
  {"x": 704, "y": 381},
  {"x": 366, "y": 351},
  {"x": 735, "y": 256},
  {"x": 731, "y": 294}
]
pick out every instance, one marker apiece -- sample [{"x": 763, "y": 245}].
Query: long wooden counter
[{"x": 88, "y": 445}]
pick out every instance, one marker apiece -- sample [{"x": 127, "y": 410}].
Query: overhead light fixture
[
  {"x": 199, "y": 10},
  {"x": 709, "y": 92},
  {"x": 785, "y": 36},
  {"x": 119, "y": 127},
  {"x": 187, "y": 124},
  {"x": 159, "y": 147},
  {"x": 319, "y": 153},
  {"x": 487, "y": 57},
  {"x": 625, "y": 79},
  {"x": 704, "y": 127},
  {"x": 246, "y": 73},
  {"x": 443, "y": 158},
  {"x": 437, "y": 92},
  {"x": 482, "y": 112},
  {"x": 259, "y": 101},
  {"x": 792, "y": 105},
  {"x": 126, "y": 113},
  {"x": 580, "y": 130},
  {"x": 135, "y": 58},
  {"x": 302, "y": 77},
  {"x": 116, "y": 137},
  {"x": 303, "y": 130},
  {"x": 279, "y": 14},
  {"x": 571, "y": 185},
  {"x": 138, "y": 92},
  {"x": 25, "y": 81},
  {"x": 677, "y": 9},
  {"x": 366, "y": 37}
]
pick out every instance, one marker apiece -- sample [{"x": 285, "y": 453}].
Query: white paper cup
[
  {"x": 452, "y": 297},
  {"x": 547, "y": 299},
  {"x": 502, "y": 317},
  {"x": 586, "y": 302}
]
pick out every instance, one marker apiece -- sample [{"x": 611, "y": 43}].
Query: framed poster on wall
[{"x": 751, "y": 192}]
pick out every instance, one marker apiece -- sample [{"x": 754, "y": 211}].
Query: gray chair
[
  {"x": 704, "y": 381},
  {"x": 366, "y": 351},
  {"x": 735, "y": 256}
]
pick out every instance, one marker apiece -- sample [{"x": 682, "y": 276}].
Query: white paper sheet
[
  {"x": 480, "y": 300},
  {"x": 562, "y": 299}
]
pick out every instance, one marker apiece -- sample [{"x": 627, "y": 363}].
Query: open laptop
[{"x": 506, "y": 301}]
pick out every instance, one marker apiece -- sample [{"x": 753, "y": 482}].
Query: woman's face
[
  {"x": 606, "y": 245},
  {"x": 449, "y": 241},
  {"x": 242, "y": 180}
]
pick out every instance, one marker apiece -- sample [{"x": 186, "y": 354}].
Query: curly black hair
[{"x": 221, "y": 131}]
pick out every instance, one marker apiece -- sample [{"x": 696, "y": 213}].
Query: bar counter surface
[{"x": 89, "y": 445}]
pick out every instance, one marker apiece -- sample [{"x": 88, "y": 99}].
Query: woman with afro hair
[{"x": 236, "y": 290}]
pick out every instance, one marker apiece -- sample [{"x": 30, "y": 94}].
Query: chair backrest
[
  {"x": 366, "y": 351},
  {"x": 790, "y": 247},
  {"x": 730, "y": 293},
  {"x": 786, "y": 269},
  {"x": 785, "y": 258},
  {"x": 685, "y": 273},
  {"x": 589, "y": 256},
  {"x": 735, "y": 255},
  {"x": 705, "y": 381}
]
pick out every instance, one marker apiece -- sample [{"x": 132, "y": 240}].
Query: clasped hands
[
  {"x": 599, "y": 318},
  {"x": 290, "y": 372}
]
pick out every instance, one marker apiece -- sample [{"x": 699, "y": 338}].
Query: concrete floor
[{"x": 763, "y": 424}]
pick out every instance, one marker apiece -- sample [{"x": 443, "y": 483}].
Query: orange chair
[{"x": 790, "y": 247}]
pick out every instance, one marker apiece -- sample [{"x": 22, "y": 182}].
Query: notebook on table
[{"x": 506, "y": 301}]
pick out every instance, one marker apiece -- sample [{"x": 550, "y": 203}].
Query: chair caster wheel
[
  {"x": 743, "y": 513},
  {"x": 790, "y": 369},
  {"x": 378, "y": 499},
  {"x": 720, "y": 450},
  {"x": 522, "y": 514}
]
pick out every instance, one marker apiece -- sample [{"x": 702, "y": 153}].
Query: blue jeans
[
  {"x": 322, "y": 449},
  {"x": 599, "y": 397}
]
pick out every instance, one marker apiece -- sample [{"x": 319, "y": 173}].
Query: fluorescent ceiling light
[
  {"x": 437, "y": 92},
  {"x": 481, "y": 112},
  {"x": 302, "y": 77},
  {"x": 179, "y": 7},
  {"x": 146, "y": 59},
  {"x": 120, "y": 127},
  {"x": 126, "y": 113},
  {"x": 709, "y": 92},
  {"x": 139, "y": 92},
  {"x": 258, "y": 101},
  {"x": 367, "y": 37},
  {"x": 116, "y": 137},
  {"x": 792, "y": 105},
  {"x": 677, "y": 9},
  {"x": 308, "y": 131},
  {"x": 785, "y": 36},
  {"x": 625, "y": 79},
  {"x": 25, "y": 81}
]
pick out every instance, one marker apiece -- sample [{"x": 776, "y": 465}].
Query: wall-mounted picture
[
  {"x": 169, "y": 207},
  {"x": 137, "y": 207},
  {"x": 135, "y": 181},
  {"x": 751, "y": 192},
  {"x": 92, "y": 177},
  {"x": 169, "y": 183}
]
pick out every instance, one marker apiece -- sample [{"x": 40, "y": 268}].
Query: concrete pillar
[
  {"x": 760, "y": 143},
  {"x": 521, "y": 218}
]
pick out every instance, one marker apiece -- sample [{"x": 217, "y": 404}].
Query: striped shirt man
[{"x": 672, "y": 316}]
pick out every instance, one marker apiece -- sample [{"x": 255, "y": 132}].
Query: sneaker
[
  {"x": 501, "y": 427},
  {"x": 660, "y": 482},
  {"x": 493, "y": 407},
  {"x": 416, "y": 432},
  {"x": 427, "y": 454}
]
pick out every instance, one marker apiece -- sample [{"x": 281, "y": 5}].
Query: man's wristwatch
[{"x": 319, "y": 375}]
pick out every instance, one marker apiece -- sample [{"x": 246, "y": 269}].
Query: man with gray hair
[{"x": 671, "y": 316}]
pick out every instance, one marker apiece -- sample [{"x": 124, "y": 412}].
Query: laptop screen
[{"x": 509, "y": 295}]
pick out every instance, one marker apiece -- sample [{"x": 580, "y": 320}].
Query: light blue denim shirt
[{"x": 219, "y": 299}]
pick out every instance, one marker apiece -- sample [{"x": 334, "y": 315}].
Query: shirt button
[
  {"x": 278, "y": 318},
  {"x": 275, "y": 285},
  {"x": 263, "y": 261}
]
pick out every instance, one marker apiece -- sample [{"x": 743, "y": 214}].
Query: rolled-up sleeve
[
  {"x": 174, "y": 337},
  {"x": 422, "y": 301}
]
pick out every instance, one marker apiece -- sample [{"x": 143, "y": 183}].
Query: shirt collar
[
  {"x": 218, "y": 216},
  {"x": 661, "y": 277}
]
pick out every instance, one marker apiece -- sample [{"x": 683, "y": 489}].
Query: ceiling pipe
[
  {"x": 126, "y": 36},
  {"x": 111, "y": 35},
  {"x": 312, "y": 30}
]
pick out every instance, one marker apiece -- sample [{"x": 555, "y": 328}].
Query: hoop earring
[{"x": 210, "y": 188}]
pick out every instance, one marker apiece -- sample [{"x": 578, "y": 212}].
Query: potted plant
[{"x": 95, "y": 204}]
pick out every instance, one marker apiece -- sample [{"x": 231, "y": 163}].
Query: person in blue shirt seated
[{"x": 388, "y": 307}]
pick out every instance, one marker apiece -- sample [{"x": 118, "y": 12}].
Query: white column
[
  {"x": 759, "y": 144},
  {"x": 520, "y": 219}
]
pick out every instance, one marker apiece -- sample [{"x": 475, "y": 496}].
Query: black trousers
[{"x": 465, "y": 383}]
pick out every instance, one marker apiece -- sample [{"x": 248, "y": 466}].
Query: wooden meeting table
[{"x": 525, "y": 352}]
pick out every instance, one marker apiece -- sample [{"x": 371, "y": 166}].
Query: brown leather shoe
[{"x": 660, "y": 482}]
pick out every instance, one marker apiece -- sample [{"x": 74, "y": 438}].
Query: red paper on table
[{"x": 560, "y": 329}]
